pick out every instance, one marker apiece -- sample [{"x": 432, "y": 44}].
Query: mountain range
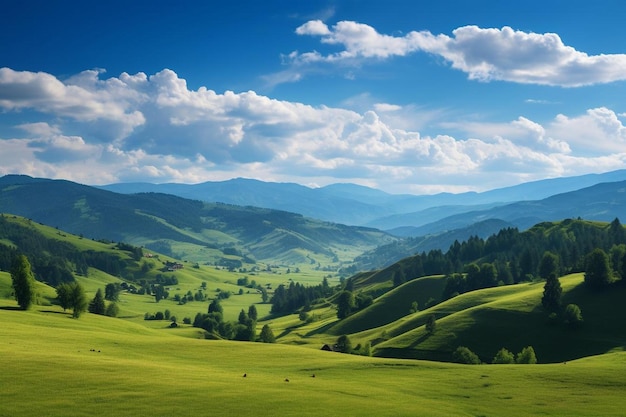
[
  {"x": 231, "y": 218},
  {"x": 357, "y": 205}
]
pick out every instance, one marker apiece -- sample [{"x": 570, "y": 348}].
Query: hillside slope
[
  {"x": 512, "y": 317},
  {"x": 163, "y": 221}
]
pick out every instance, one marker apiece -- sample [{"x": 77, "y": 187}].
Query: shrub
[
  {"x": 462, "y": 354},
  {"x": 503, "y": 356},
  {"x": 573, "y": 316},
  {"x": 526, "y": 356}
]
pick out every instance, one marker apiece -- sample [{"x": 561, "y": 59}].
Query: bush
[
  {"x": 573, "y": 316},
  {"x": 466, "y": 356},
  {"x": 526, "y": 356},
  {"x": 503, "y": 357}
]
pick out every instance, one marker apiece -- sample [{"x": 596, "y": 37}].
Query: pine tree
[
  {"x": 23, "y": 282},
  {"x": 552, "y": 290},
  {"x": 252, "y": 313},
  {"x": 97, "y": 306},
  {"x": 267, "y": 336}
]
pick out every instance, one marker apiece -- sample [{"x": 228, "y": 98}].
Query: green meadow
[{"x": 53, "y": 365}]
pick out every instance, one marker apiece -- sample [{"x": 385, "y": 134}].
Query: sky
[{"x": 404, "y": 96}]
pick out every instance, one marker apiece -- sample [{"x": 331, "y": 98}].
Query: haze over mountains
[
  {"x": 357, "y": 205},
  {"x": 291, "y": 222}
]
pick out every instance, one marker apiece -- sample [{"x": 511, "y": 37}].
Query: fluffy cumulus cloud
[
  {"x": 483, "y": 53},
  {"x": 96, "y": 130}
]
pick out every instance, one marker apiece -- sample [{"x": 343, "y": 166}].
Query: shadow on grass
[
  {"x": 56, "y": 312},
  {"x": 12, "y": 308}
]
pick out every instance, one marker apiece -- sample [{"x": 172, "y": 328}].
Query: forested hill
[
  {"x": 510, "y": 256},
  {"x": 168, "y": 221}
]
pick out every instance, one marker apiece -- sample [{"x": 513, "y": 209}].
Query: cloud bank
[
  {"x": 483, "y": 54},
  {"x": 154, "y": 128}
]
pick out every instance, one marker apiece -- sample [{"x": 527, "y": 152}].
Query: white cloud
[
  {"x": 485, "y": 54},
  {"x": 198, "y": 135},
  {"x": 386, "y": 107}
]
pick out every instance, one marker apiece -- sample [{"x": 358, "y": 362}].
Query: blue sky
[{"x": 404, "y": 96}]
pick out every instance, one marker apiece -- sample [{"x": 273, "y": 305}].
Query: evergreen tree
[
  {"x": 23, "y": 282},
  {"x": 267, "y": 336},
  {"x": 243, "y": 317},
  {"x": 252, "y": 313},
  {"x": 552, "y": 290},
  {"x": 598, "y": 270},
  {"x": 549, "y": 265},
  {"x": 112, "y": 310},
  {"x": 97, "y": 306}
]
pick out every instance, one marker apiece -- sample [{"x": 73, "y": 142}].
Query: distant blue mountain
[{"x": 353, "y": 204}]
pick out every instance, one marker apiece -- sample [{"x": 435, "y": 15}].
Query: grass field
[{"x": 53, "y": 365}]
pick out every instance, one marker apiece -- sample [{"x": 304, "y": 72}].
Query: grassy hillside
[
  {"x": 56, "y": 366},
  {"x": 512, "y": 317},
  {"x": 392, "y": 306},
  {"x": 187, "y": 229}
]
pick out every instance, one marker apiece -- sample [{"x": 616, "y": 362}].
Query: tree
[
  {"x": 112, "y": 310},
  {"x": 572, "y": 315},
  {"x": 215, "y": 307},
  {"x": 503, "y": 357},
  {"x": 97, "y": 306},
  {"x": 64, "y": 293},
  {"x": 344, "y": 345},
  {"x": 345, "y": 304},
  {"x": 552, "y": 290},
  {"x": 431, "y": 324},
  {"x": 71, "y": 295},
  {"x": 549, "y": 265},
  {"x": 243, "y": 317},
  {"x": 597, "y": 269},
  {"x": 23, "y": 282},
  {"x": 267, "y": 336},
  {"x": 112, "y": 291},
  {"x": 160, "y": 293},
  {"x": 252, "y": 313},
  {"x": 462, "y": 354},
  {"x": 526, "y": 356}
]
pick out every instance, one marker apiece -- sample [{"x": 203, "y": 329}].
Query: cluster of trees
[
  {"x": 99, "y": 306},
  {"x": 348, "y": 303},
  {"x": 464, "y": 355},
  {"x": 54, "y": 261},
  {"x": 603, "y": 264},
  {"x": 288, "y": 299},
  {"x": 511, "y": 256},
  {"x": 70, "y": 295},
  {"x": 244, "y": 329}
]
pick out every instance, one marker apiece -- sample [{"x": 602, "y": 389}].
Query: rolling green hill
[
  {"x": 59, "y": 367},
  {"x": 187, "y": 229},
  {"x": 512, "y": 317}
]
